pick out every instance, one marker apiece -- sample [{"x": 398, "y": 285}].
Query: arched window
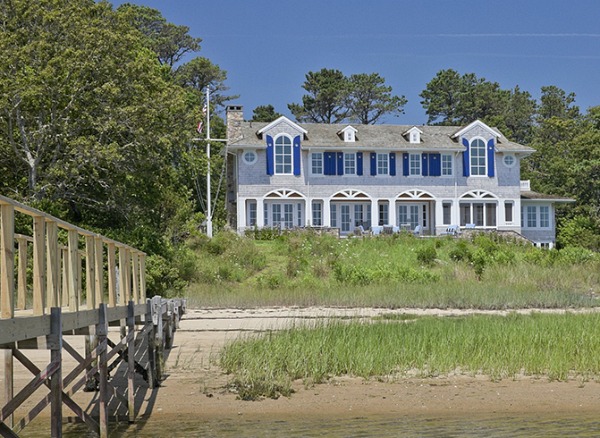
[
  {"x": 478, "y": 163},
  {"x": 283, "y": 155}
]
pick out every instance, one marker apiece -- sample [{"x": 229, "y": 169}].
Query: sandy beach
[{"x": 195, "y": 387}]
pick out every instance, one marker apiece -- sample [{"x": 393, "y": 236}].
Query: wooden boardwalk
[{"x": 60, "y": 281}]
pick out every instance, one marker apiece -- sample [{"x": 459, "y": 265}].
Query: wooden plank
[
  {"x": 39, "y": 268},
  {"x": 56, "y": 383},
  {"x": 29, "y": 389},
  {"x": 142, "y": 278},
  {"x": 113, "y": 300},
  {"x": 73, "y": 270},
  {"x": 22, "y": 274},
  {"x": 102, "y": 332},
  {"x": 135, "y": 277},
  {"x": 8, "y": 382},
  {"x": 52, "y": 262},
  {"x": 131, "y": 361},
  {"x": 99, "y": 254},
  {"x": 90, "y": 272},
  {"x": 6, "y": 432},
  {"x": 7, "y": 261},
  {"x": 64, "y": 277}
]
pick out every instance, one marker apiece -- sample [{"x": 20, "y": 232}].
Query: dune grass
[
  {"x": 557, "y": 347},
  {"x": 398, "y": 271}
]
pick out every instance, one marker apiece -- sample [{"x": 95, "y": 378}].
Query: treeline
[{"x": 98, "y": 112}]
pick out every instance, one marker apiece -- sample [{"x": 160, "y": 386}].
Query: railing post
[
  {"x": 64, "y": 276},
  {"x": 90, "y": 272},
  {"x": 39, "y": 268},
  {"x": 53, "y": 257},
  {"x": 150, "y": 340},
  {"x": 74, "y": 270},
  {"x": 56, "y": 382},
  {"x": 157, "y": 320},
  {"x": 99, "y": 254},
  {"x": 142, "y": 277},
  {"x": 112, "y": 277},
  {"x": 7, "y": 262},
  {"x": 102, "y": 333},
  {"x": 22, "y": 274},
  {"x": 131, "y": 361},
  {"x": 135, "y": 277}
]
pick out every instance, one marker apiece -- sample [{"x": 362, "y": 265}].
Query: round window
[
  {"x": 249, "y": 157},
  {"x": 509, "y": 160}
]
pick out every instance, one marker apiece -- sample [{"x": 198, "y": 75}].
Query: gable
[{"x": 282, "y": 125}]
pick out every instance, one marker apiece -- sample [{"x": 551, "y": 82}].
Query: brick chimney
[{"x": 235, "y": 116}]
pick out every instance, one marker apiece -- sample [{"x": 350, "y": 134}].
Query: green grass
[
  {"x": 399, "y": 271},
  {"x": 558, "y": 347}
]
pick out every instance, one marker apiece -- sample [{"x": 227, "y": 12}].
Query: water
[{"x": 486, "y": 426}]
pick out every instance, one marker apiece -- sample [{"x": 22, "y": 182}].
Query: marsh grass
[
  {"x": 557, "y": 347},
  {"x": 303, "y": 269}
]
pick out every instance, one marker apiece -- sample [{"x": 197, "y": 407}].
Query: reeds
[{"x": 558, "y": 347}]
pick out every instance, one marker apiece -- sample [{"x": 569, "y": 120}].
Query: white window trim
[
  {"x": 355, "y": 164},
  {"x": 451, "y": 165},
  {"x": 509, "y": 165},
  {"x": 291, "y": 172},
  {"x": 420, "y": 160},
  {"x": 387, "y": 160},
  {"x": 247, "y": 161},
  {"x": 311, "y": 173},
  {"x": 485, "y": 165}
]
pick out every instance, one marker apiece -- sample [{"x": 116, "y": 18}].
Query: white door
[{"x": 346, "y": 219}]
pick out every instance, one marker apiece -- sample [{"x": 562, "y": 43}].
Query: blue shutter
[
  {"x": 466, "y": 164},
  {"x": 435, "y": 164},
  {"x": 296, "y": 155},
  {"x": 329, "y": 160},
  {"x": 340, "y": 163},
  {"x": 392, "y": 164},
  {"x": 490, "y": 157},
  {"x": 424, "y": 165},
  {"x": 405, "y": 164},
  {"x": 270, "y": 156},
  {"x": 373, "y": 163},
  {"x": 359, "y": 163}
]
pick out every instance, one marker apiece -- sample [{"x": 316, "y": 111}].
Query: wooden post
[
  {"x": 123, "y": 275},
  {"x": 22, "y": 274},
  {"x": 150, "y": 339},
  {"x": 64, "y": 285},
  {"x": 102, "y": 332},
  {"x": 9, "y": 390},
  {"x": 99, "y": 253},
  {"x": 7, "y": 261},
  {"x": 142, "y": 278},
  {"x": 39, "y": 268},
  {"x": 53, "y": 256},
  {"x": 90, "y": 272},
  {"x": 158, "y": 336},
  {"x": 56, "y": 382},
  {"x": 113, "y": 300},
  {"x": 135, "y": 277},
  {"x": 74, "y": 270},
  {"x": 131, "y": 361}
]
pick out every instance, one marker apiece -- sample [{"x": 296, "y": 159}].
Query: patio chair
[
  {"x": 418, "y": 231},
  {"x": 452, "y": 230}
]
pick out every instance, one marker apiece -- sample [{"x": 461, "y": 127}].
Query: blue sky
[{"x": 267, "y": 46}]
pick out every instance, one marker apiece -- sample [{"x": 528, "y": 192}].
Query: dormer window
[
  {"x": 348, "y": 134},
  {"x": 414, "y": 135}
]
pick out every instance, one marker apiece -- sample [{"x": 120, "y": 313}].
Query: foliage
[
  {"x": 333, "y": 97},
  {"x": 264, "y": 113},
  {"x": 426, "y": 255}
]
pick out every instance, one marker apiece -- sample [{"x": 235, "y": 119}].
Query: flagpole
[{"x": 209, "y": 227}]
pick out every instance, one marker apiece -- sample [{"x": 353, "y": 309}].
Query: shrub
[
  {"x": 426, "y": 255},
  {"x": 460, "y": 252}
]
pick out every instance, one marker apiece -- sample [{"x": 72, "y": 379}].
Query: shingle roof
[{"x": 369, "y": 137}]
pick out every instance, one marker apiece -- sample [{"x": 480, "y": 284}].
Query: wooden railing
[{"x": 58, "y": 268}]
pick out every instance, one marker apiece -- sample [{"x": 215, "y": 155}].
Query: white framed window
[
  {"x": 477, "y": 157},
  {"x": 249, "y": 157},
  {"x": 384, "y": 213},
  {"x": 508, "y": 211},
  {"x": 383, "y": 164},
  {"x": 509, "y": 160},
  {"x": 283, "y": 155},
  {"x": 349, "y": 164},
  {"x": 544, "y": 216},
  {"x": 317, "y": 214},
  {"x": 316, "y": 163},
  {"x": 447, "y": 213},
  {"x": 531, "y": 216},
  {"x": 252, "y": 214},
  {"x": 447, "y": 165},
  {"x": 482, "y": 214},
  {"x": 333, "y": 218},
  {"x": 414, "y": 164}
]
